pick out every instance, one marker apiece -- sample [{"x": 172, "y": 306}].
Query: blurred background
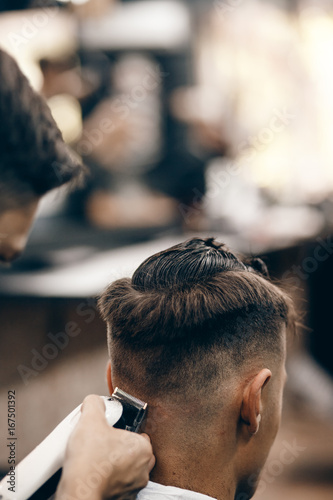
[{"x": 194, "y": 117}]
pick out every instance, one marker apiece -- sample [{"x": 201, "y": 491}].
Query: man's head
[
  {"x": 200, "y": 334},
  {"x": 33, "y": 156}
]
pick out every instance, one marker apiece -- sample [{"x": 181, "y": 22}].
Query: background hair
[
  {"x": 190, "y": 314},
  {"x": 33, "y": 156}
]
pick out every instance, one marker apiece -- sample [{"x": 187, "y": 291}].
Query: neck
[
  {"x": 196, "y": 461},
  {"x": 194, "y": 477}
]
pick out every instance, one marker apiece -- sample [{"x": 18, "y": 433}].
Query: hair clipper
[{"x": 38, "y": 474}]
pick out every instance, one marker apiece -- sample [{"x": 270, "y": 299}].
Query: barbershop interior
[{"x": 193, "y": 118}]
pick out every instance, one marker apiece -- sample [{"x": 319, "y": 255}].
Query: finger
[
  {"x": 148, "y": 444},
  {"x": 152, "y": 460},
  {"x": 146, "y": 437},
  {"x": 93, "y": 406},
  {"x": 151, "y": 463}
]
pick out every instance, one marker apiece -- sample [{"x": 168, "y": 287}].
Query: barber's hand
[{"x": 102, "y": 462}]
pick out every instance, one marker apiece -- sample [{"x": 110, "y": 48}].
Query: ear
[
  {"x": 109, "y": 377},
  {"x": 251, "y": 403}
]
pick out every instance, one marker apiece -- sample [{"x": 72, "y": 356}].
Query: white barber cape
[{"x": 155, "y": 491}]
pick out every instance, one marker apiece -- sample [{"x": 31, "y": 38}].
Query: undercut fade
[
  {"x": 190, "y": 315},
  {"x": 33, "y": 156}
]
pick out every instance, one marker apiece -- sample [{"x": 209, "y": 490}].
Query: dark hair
[
  {"x": 33, "y": 156},
  {"x": 184, "y": 305}
]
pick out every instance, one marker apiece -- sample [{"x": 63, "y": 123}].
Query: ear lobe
[
  {"x": 109, "y": 377},
  {"x": 251, "y": 403}
]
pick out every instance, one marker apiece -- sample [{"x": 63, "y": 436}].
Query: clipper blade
[{"x": 134, "y": 411}]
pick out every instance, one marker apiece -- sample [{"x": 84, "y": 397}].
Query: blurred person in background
[
  {"x": 33, "y": 157},
  {"x": 34, "y": 160}
]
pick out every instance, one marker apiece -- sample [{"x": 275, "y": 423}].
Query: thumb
[{"x": 93, "y": 406}]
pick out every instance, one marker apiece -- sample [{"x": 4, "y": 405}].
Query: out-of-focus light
[
  {"x": 67, "y": 113},
  {"x": 76, "y": 2},
  {"x": 162, "y": 24}
]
